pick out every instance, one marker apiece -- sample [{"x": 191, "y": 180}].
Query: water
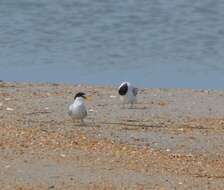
[{"x": 152, "y": 43}]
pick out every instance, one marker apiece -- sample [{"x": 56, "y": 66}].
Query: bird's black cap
[
  {"x": 80, "y": 94},
  {"x": 123, "y": 89}
]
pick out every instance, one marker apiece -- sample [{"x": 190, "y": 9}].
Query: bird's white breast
[{"x": 78, "y": 109}]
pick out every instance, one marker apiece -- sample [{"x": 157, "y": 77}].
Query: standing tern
[{"x": 77, "y": 110}]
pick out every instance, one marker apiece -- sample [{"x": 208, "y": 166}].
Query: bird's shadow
[
  {"x": 138, "y": 125},
  {"x": 134, "y": 108},
  {"x": 84, "y": 125}
]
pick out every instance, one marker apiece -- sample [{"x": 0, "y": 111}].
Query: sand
[{"x": 171, "y": 139}]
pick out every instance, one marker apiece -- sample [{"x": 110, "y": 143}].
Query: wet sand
[{"x": 171, "y": 139}]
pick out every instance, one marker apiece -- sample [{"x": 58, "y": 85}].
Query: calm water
[{"x": 153, "y": 43}]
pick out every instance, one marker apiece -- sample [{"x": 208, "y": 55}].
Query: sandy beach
[{"x": 171, "y": 139}]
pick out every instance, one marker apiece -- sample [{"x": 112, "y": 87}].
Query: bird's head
[
  {"x": 123, "y": 89},
  {"x": 83, "y": 96},
  {"x": 80, "y": 95}
]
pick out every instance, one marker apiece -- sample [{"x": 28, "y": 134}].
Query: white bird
[
  {"x": 128, "y": 93},
  {"x": 77, "y": 110}
]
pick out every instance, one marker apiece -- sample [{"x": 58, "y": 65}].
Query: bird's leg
[
  {"x": 82, "y": 122},
  {"x": 131, "y": 107},
  {"x": 74, "y": 120}
]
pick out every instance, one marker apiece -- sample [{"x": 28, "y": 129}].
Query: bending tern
[{"x": 128, "y": 93}]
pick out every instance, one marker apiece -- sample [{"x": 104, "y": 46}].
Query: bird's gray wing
[{"x": 135, "y": 91}]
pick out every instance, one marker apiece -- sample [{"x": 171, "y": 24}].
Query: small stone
[
  {"x": 9, "y": 109},
  {"x": 7, "y": 166},
  {"x": 190, "y": 155},
  {"x": 221, "y": 122}
]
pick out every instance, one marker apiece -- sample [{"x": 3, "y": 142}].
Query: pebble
[
  {"x": 9, "y": 109},
  {"x": 92, "y": 110},
  {"x": 7, "y": 166}
]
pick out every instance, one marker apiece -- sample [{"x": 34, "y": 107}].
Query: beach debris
[
  {"x": 162, "y": 103},
  {"x": 1, "y": 104},
  {"x": 9, "y": 109},
  {"x": 199, "y": 163},
  {"x": 189, "y": 155},
  {"x": 168, "y": 150},
  {"x": 221, "y": 122},
  {"x": 7, "y": 99},
  {"x": 92, "y": 110},
  {"x": 205, "y": 91},
  {"x": 46, "y": 108},
  {"x": 37, "y": 112},
  {"x": 51, "y": 187},
  {"x": 112, "y": 96},
  {"x": 63, "y": 155}
]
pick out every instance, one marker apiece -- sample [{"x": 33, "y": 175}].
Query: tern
[
  {"x": 128, "y": 93},
  {"x": 77, "y": 110}
]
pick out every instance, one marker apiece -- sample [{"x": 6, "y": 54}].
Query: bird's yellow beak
[{"x": 89, "y": 98}]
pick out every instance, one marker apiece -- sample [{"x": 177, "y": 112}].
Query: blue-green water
[{"x": 152, "y": 43}]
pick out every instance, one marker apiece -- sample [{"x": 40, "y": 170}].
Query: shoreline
[
  {"x": 173, "y": 138},
  {"x": 200, "y": 89}
]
